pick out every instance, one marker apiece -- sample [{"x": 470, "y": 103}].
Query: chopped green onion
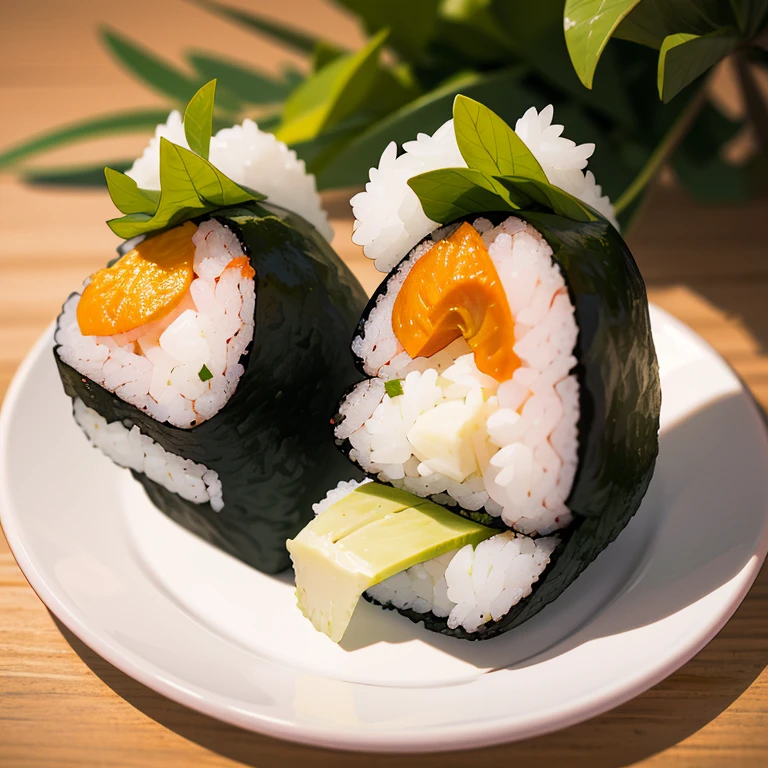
[
  {"x": 205, "y": 374},
  {"x": 394, "y": 387}
]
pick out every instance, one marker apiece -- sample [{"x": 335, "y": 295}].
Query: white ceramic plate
[{"x": 209, "y": 632}]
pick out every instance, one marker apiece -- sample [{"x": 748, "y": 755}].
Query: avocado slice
[{"x": 371, "y": 534}]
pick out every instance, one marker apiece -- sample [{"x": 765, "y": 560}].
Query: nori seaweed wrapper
[
  {"x": 272, "y": 442},
  {"x": 620, "y": 401}
]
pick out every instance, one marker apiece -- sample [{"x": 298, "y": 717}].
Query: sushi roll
[
  {"x": 207, "y": 358},
  {"x": 511, "y": 381}
]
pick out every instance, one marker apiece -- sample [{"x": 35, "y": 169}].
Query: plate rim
[{"x": 460, "y": 737}]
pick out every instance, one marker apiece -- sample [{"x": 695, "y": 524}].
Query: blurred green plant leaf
[
  {"x": 189, "y": 187},
  {"x": 323, "y": 54},
  {"x": 612, "y": 169},
  {"x": 284, "y": 34},
  {"x": 684, "y": 57},
  {"x": 503, "y": 90},
  {"x": 699, "y": 163},
  {"x": 489, "y": 145},
  {"x": 411, "y": 24},
  {"x": 537, "y": 31},
  {"x": 335, "y": 92},
  {"x": 249, "y": 86},
  {"x": 127, "y": 196},
  {"x": 84, "y": 176},
  {"x": 122, "y": 122},
  {"x": 651, "y": 21},
  {"x": 156, "y": 73},
  {"x": 198, "y": 120},
  {"x": 449, "y": 193},
  {"x": 588, "y": 26},
  {"x": 750, "y": 16},
  {"x": 469, "y": 35}
]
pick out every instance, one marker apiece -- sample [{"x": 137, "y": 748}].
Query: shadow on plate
[
  {"x": 690, "y": 558},
  {"x": 651, "y": 723}
]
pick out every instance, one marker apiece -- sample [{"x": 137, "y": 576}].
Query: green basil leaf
[
  {"x": 488, "y": 144},
  {"x": 548, "y": 196},
  {"x": 281, "y": 33},
  {"x": 449, "y": 193},
  {"x": 210, "y": 184},
  {"x": 246, "y": 84},
  {"x": 588, "y": 26},
  {"x": 503, "y": 90},
  {"x": 198, "y": 119},
  {"x": 120, "y": 122},
  {"x": 332, "y": 94},
  {"x": 411, "y": 24},
  {"x": 684, "y": 57},
  {"x": 189, "y": 187},
  {"x": 127, "y": 196}
]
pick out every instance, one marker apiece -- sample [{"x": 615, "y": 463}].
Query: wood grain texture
[{"x": 62, "y": 705}]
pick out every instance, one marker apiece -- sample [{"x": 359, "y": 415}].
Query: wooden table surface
[{"x": 60, "y": 703}]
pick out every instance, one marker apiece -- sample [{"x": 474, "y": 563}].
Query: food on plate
[
  {"x": 208, "y": 356},
  {"x": 511, "y": 379}
]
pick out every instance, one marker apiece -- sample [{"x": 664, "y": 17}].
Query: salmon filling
[{"x": 454, "y": 290}]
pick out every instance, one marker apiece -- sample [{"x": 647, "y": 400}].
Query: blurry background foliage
[{"x": 628, "y": 75}]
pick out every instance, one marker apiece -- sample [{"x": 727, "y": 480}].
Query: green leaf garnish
[
  {"x": 547, "y": 196},
  {"x": 205, "y": 374},
  {"x": 503, "y": 174},
  {"x": 198, "y": 119},
  {"x": 489, "y": 145},
  {"x": 450, "y": 193},
  {"x": 127, "y": 196},
  {"x": 393, "y": 387},
  {"x": 189, "y": 185}
]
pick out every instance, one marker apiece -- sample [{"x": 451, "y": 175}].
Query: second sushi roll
[
  {"x": 511, "y": 381},
  {"x": 207, "y": 357}
]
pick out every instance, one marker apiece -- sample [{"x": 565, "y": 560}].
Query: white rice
[
  {"x": 389, "y": 220},
  {"x": 157, "y": 366},
  {"x": 517, "y": 448},
  {"x": 250, "y": 157},
  {"x": 470, "y": 586},
  {"x": 132, "y": 449}
]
